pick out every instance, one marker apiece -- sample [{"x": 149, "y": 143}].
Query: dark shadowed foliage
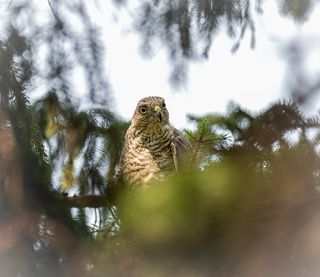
[
  {"x": 37, "y": 231},
  {"x": 187, "y": 28},
  {"x": 63, "y": 40},
  {"x": 251, "y": 211},
  {"x": 247, "y": 203}
]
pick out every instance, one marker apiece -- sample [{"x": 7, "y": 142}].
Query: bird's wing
[{"x": 182, "y": 149}]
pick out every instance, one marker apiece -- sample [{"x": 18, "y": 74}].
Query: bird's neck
[{"x": 152, "y": 132}]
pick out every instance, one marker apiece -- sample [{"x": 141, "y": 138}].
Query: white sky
[{"x": 252, "y": 78}]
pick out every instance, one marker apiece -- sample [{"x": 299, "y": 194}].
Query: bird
[{"x": 153, "y": 148}]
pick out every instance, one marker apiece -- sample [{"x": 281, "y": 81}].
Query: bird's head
[{"x": 151, "y": 112}]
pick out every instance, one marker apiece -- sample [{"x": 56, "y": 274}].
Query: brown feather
[{"x": 153, "y": 148}]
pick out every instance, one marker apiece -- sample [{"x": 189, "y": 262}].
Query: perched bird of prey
[{"x": 153, "y": 149}]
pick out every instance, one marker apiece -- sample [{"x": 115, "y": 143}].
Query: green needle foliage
[
  {"x": 205, "y": 143},
  {"x": 187, "y": 28},
  {"x": 247, "y": 204},
  {"x": 244, "y": 211},
  {"x": 92, "y": 137},
  {"x": 251, "y": 182}
]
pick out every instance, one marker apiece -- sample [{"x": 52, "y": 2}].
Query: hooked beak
[{"x": 158, "y": 112}]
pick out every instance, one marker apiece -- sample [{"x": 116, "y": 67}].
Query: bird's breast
[{"x": 148, "y": 158}]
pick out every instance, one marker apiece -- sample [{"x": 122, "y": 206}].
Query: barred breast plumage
[{"x": 153, "y": 148}]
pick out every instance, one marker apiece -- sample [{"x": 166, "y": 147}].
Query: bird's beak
[{"x": 158, "y": 112}]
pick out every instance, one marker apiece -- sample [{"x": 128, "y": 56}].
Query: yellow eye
[{"x": 143, "y": 110}]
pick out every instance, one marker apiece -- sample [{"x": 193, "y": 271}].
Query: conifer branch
[{"x": 88, "y": 201}]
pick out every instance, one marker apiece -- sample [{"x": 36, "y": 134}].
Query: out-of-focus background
[{"x": 241, "y": 79}]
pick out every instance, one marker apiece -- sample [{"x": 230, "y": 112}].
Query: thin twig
[
  {"x": 10, "y": 3},
  {"x": 53, "y": 11}
]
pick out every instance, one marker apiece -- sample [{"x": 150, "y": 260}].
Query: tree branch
[{"x": 89, "y": 201}]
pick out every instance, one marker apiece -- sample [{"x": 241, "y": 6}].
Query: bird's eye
[
  {"x": 143, "y": 110},
  {"x": 163, "y": 105}
]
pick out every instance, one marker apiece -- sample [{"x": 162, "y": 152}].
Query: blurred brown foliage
[
  {"x": 249, "y": 206},
  {"x": 23, "y": 228}
]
